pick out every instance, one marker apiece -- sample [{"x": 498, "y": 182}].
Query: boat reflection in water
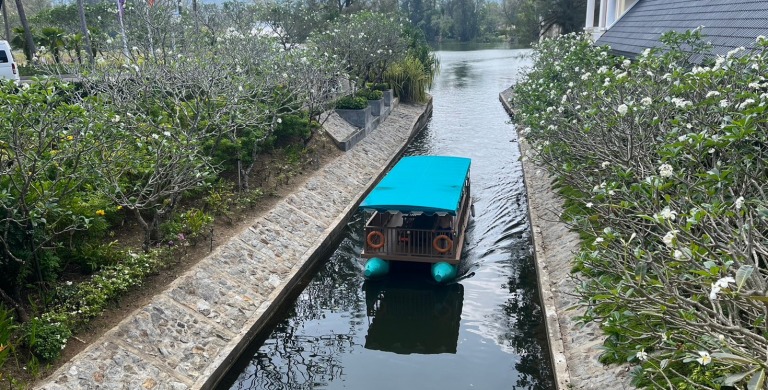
[{"x": 408, "y": 314}]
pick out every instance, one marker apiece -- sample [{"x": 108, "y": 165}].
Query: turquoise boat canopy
[{"x": 421, "y": 184}]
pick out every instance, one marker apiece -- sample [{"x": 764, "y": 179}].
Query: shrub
[
  {"x": 409, "y": 80},
  {"x": 370, "y": 94},
  {"x": 351, "y": 103},
  {"x": 187, "y": 226},
  {"x": 6, "y": 331},
  {"x": 47, "y": 336},
  {"x": 663, "y": 162},
  {"x": 379, "y": 86}
]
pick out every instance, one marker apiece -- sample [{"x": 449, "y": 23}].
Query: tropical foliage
[{"x": 662, "y": 161}]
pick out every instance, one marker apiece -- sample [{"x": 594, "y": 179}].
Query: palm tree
[
  {"x": 30, "y": 41},
  {"x": 53, "y": 38},
  {"x": 74, "y": 42},
  {"x": 84, "y": 32},
  {"x": 19, "y": 41},
  {"x": 4, "y": 6}
]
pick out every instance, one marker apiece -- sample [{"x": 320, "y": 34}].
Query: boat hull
[
  {"x": 375, "y": 268},
  {"x": 443, "y": 272}
]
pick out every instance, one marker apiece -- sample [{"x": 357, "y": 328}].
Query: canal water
[{"x": 484, "y": 331}]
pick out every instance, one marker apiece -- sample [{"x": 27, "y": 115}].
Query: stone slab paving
[
  {"x": 575, "y": 348},
  {"x": 189, "y": 335}
]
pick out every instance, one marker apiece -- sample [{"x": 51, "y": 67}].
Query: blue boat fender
[
  {"x": 443, "y": 272},
  {"x": 375, "y": 267}
]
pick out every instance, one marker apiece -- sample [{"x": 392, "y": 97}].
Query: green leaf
[
  {"x": 729, "y": 357},
  {"x": 757, "y": 381},
  {"x": 742, "y": 275},
  {"x": 758, "y": 298},
  {"x": 732, "y": 379}
]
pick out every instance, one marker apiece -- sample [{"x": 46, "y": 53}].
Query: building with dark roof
[{"x": 631, "y": 26}]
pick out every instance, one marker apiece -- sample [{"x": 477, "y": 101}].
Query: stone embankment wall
[
  {"x": 574, "y": 347},
  {"x": 191, "y": 334}
]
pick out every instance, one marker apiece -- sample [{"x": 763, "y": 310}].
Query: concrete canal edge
[
  {"x": 574, "y": 347},
  {"x": 190, "y": 335}
]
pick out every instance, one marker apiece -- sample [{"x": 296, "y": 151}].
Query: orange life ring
[
  {"x": 373, "y": 234},
  {"x": 440, "y": 249}
]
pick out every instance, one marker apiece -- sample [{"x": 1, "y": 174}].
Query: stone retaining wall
[
  {"x": 574, "y": 347},
  {"x": 192, "y": 333}
]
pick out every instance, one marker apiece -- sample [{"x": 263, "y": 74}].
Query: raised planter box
[
  {"x": 377, "y": 107},
  {"x": 389, "y": 96},
  {"x": 359, "y": 118}
]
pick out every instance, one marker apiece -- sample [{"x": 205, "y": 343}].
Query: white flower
[
  {"x": 167, "y": 133},
  {"x": 589, "y": 205},
  {"x": 724, "y": 103},
  {"x": 669, "y": 237},
  {"x": 677, "y": 254},
  {"x": 681, "y": 103},
  {"x": 605, "y": 164},
  {"x": 719, "y": 285},
  {"x": 646, "y": 101},
  {"x": 646, "y": 52},
  {"x": 739, "y": 203},
  {"x": 69, "y": 283},
  {"x": 760, "y": 38},
  {"x": 746, "y": 103},
  {"x": 666, "y": 213},
  {"x": 585, "y": 76},
  {"x": 625, "y": 64},
  {"x": 622, "y": 109},
  {"x": 602, "y": 69},
  {"x": 116, "y": 119},
  {"x": 155, "y": 136},
  {"x": 599, "y": 240},
  {"x": 666, "y": 170},
  {"x": 753, "y": 85},
  {"x": 713, "y": 93},
  {"x": 734, "y": 52},
  {"x": 279, "y": 120},
  {"x": 705, "y": 358},
  {"x": 134, "y": 48},
  {"x": 723, "y": 282},
  {"x": 642, "y": 355}
]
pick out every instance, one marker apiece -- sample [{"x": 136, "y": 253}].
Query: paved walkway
[
  {"x": 189, "y": 335},
  {"x": 575, "y": 348}
]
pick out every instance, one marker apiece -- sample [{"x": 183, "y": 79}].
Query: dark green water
[{"x": 483, "y": 332}]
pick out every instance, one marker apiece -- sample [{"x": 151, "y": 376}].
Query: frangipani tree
[
  {"x": 47, "y": 136},
  {"x": 664, "y": 164},
  {"x": 366, "y": 42}
]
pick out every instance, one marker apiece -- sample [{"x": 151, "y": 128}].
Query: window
[
  {"x": 622, "y": 6},
  {"x": 3, "y": 57}
]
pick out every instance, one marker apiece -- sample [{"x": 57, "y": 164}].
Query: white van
[{"x": 8, "y": 67}]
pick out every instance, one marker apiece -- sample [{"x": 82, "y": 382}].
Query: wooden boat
[{"x": 418, "y": 212}]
